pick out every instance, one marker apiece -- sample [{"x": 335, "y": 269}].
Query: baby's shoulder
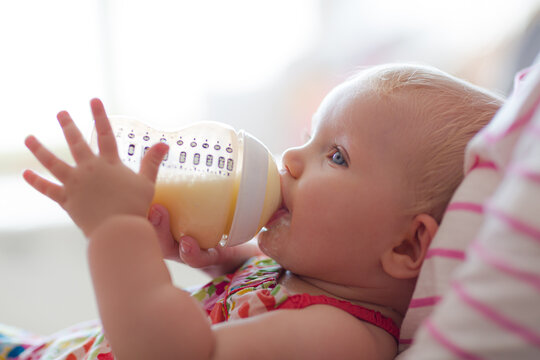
[{"x": 355, "y": 335}]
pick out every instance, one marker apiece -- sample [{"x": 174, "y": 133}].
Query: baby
[{"x": 362, "y": 200}]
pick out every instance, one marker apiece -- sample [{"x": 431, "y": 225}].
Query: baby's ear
[{"x": 404, "y": 259}]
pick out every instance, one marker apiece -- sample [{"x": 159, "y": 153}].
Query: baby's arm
[{"x": 143, "y": 314}]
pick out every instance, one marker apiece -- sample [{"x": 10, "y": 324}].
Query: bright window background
[{"x": 261, "y": 66}]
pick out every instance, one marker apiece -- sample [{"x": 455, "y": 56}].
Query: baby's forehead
[
  {"x": 359, "y": 116},
  {"x": 340, "y": 101},
  {"x": 354, "y": 104}
]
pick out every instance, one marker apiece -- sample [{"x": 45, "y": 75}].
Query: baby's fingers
[
  {"x": 151, "y": 161},
  {"x": 105, "y": 136},
  {"x": 192, "y": 255},
  {"x": 51, "y": 190},
  {"x": 57, "y": 167},
  {"x": 77, "y": 145}
]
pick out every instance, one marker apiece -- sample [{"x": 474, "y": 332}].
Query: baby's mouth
[{"x": 281, "y": 212}]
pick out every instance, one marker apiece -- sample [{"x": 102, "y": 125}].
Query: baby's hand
[
  {"x": 186, "y": 250},
  {"x": 98, "y": 186},
  {"x": 215, "y": 262}
]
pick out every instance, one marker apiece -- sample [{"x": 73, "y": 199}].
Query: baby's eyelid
[{"x": 345, "y": 157}]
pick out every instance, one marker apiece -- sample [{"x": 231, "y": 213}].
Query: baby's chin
[{"x": 270, "y": 239}]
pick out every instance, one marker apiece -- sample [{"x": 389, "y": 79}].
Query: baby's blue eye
[{"x": 338, "y": 158}]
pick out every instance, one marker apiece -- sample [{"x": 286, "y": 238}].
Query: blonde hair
[{"x": 447, "y": 113}]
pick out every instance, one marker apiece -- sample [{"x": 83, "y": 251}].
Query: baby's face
[{"x": 343, "y": 191}]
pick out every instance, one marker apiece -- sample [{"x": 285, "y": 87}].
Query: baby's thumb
[
  {"x": 159, "y": 218},
  {"x": 151, "y": 161},
  {"x": 194, "y": 256}
]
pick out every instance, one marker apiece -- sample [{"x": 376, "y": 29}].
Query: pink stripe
[
  {"x": 516, "y": 224},
  {"x": 499, "y": 319},
  {"x": 488, "y": 258},
  {"x": 426, "y": 301},
  {"x": 526, "y": 173},
  {"x": 453, "y": 348},
  {"x": 485, "y": 165},
  {"x": 467, "y": 206},
  {"x": 518, "y": 78},
  {"x": 482, "y": 165},
  {"x": 447, "y": 253},
  {"x": 519, "y": 122}
]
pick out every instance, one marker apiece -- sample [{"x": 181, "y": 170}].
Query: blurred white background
[{"x": 261, "y": 66}]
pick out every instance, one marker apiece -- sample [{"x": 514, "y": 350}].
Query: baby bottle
[{"x": 219, "y": 186}]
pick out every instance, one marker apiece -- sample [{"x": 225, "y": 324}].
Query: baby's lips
[{"x": 282, "y": 211}]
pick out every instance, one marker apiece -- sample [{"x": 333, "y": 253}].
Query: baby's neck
[{"x": 389, "y": 303}]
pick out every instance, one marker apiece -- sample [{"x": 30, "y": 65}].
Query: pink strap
[{"x": 300, "y": 301}]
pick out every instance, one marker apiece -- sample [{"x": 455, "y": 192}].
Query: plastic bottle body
[{"x": 206, "y": 182}]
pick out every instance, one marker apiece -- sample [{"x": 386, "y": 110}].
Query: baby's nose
[{"x": 292, "y": 162}]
